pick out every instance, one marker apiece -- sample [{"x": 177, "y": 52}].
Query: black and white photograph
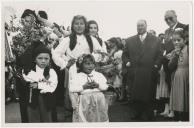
[{"x": 114, "y": 63}]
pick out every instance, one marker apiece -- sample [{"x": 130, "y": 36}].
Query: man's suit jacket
[
  {"x": 143, "y": 57},
  {"x": 168, "y": 37}
]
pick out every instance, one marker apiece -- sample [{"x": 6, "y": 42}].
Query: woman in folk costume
[
  {"x": 179, "y": 65},
  {"x": 73, "y": 46},
  {"x": 90, "y": 104},
  {"x": 42, "y": 81},
  {"x": 92, "y": 29}
]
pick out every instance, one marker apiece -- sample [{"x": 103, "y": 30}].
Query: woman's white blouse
[
  {"x": 76, "y": 84},
  {"x": 62, "y": 53},
  {"x": 104, "y": 48},
  {"x": 37, "y": 76}
]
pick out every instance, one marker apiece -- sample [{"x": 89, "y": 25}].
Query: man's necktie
[{"x": 141, "y": 38}]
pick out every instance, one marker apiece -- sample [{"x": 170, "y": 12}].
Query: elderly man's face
[
  {"x": 141, "y": 27},
  {"x": 170, "y": 18}
]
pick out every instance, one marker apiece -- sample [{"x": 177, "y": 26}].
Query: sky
[{"x": 114, "y": 18}]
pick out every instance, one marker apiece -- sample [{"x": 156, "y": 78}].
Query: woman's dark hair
[
  {"x": 88, "y": 30},
  {"x": 84, "y": 57},
  {"x": 73, "y": 38},
  {"x": 89, "y": 23}
]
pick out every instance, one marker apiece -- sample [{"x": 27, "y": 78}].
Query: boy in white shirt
[{"x": 42, "y": 83}]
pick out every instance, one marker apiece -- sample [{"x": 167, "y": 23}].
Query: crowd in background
[{"x": 48, "y": 65}]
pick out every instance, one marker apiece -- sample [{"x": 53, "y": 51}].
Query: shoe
[
  {"x": 164, "y": 113},
  {"x": 8, "y": 99},
  {"x": 170, "y": 115}
]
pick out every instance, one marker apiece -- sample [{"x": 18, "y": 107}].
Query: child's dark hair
[
  {"x": 180, "y": 32},
  {"x": 117, "y": 41},
  {"x": 42, "y": 49},
  {"x": 83, "y": 59},
  {"x": 161, "y": 34}
]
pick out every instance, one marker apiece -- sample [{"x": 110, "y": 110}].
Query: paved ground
[{"x": 118, "y": 112}]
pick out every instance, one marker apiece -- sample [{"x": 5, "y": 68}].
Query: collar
[
  {"x": 90, "y": 75},
  {"x": 38, "y": 69},
  {"x": 174, "y": 26},
  {"x": 143, "y": 35},
  {"x": 79, "y": 36}
]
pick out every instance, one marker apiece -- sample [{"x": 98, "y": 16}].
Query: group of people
[
  {"x": 158, "y": 68},
  {"x": 76, "y": 66}
]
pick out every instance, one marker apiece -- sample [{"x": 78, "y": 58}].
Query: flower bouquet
[{"x": 104, "y": 64}]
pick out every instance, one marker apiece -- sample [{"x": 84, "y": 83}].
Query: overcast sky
[{"x": 115, "y": 18}]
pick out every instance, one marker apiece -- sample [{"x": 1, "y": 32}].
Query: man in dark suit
[
  {"x": 171, "y": 20},
  {"x": 141, "y": 58}
]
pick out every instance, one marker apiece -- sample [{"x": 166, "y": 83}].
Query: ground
[{"x": 118, "y": 112}]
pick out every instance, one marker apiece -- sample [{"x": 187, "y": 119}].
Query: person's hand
[
  {"x": 70, "y": 63},
  {"x": 128, "y": 64},
  {"x": 168, "y": 56},
  {"x": 156, "y": 66},
  {"x": 94, "y": 84},
  {"x": 45, "y": 81},
  {"x": 66, "y": 32},
  {"x": 177, "y": 50},
  {"x": 34, "y": 85},
  {"x": 87, "y": 86}
]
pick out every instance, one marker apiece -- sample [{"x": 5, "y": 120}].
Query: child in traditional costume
[{"x": 90, "y": 104}]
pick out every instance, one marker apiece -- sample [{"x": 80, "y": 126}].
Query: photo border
[{"x": 111, "y": 124}]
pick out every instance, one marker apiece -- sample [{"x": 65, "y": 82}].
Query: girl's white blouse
[
  {"x": 37, "y": 76},
  {"x": 62, "y": 53},
  {"x": 76, "y": 84}
]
